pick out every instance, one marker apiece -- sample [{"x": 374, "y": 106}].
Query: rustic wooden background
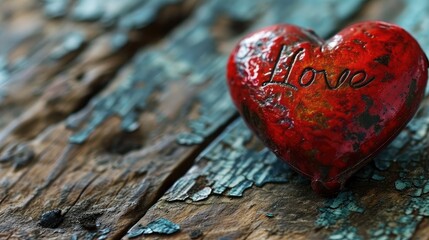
[{"x": 115, "y": 122}]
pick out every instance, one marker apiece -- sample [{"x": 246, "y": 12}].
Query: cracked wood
[{"x": 110, "y": 105}]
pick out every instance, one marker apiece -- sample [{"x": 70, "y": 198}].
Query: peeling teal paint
[
  {"x": 338, "y": 209},
  {"x": 401, "y": 185},
  {"x": 55, "y": 8},
  {"x": 231, "y": 168},
  {"x": 402, "y": 229},
  {"x": 377, "y": 177},
  {"x": 408, "y": 152},
  {"x": 71, "y": 43},
  {"x": 189, "y": 54},
  {"x": 159, "y": 226},
  {"x": 412, "y": 181},
  {"x": 127, "y": 101},
  {"x": 100, "y": 234},
  {"x": 126, "y": 14},
  {"x": 346, "y": 233}
]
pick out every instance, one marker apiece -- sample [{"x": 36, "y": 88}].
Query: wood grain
[
  {"x": 386, "y": 200},
  {"x": 115, "y": 120}
]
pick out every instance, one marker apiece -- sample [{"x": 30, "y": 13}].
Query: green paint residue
[
  {"x": 337, "y": 210},
  {"x": 401, "y": 185},
  {"x": 231, "y": 168},
  {"x": 401, "y": 229},
  {"x": 160, "y": 226},
  {"x": 346, "y": 233}
]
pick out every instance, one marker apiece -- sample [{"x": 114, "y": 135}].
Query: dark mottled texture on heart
[{"x": 327, "y": 107}]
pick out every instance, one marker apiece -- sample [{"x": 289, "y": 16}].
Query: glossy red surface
[{"x": 327, "y": 107}]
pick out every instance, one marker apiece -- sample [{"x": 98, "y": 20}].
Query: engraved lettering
[
  {"x": 309, "y": 75},
  {"x": 341, "y": 79},
  {"x": 362, "y": 82},
  {"x": 288, "y": 68}
]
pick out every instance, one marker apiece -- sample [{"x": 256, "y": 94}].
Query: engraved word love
[{"x": 355, "y": 80}]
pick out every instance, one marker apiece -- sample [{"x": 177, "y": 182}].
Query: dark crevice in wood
[
  {"x": 176, "y": 174},
  {"x": 124, "y": 142},
  {"x": 80, "y": 194}
]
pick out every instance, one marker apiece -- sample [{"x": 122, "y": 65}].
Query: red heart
[{"x": 327, "y": 107}]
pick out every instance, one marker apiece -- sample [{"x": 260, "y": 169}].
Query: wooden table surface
[{"x": 115, "y": 122}]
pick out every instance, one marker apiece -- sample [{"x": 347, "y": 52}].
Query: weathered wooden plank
[
  {"x": 53, "y": 67},
  {"x": 109, "y": 181},
  {"x": 125, "y": 159},
  {"x": 29, "y": 45},
  {"x": 103, "y": 186},
  {"x": 387, "y": 199}
]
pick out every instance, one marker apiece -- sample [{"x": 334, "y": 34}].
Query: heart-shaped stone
[{"x": 327, "y": 107}]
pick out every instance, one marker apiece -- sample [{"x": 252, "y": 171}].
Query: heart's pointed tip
[{"x": 326, "y": 189}]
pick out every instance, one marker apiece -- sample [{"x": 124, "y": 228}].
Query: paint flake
[{"x": 159, "y": 226}]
